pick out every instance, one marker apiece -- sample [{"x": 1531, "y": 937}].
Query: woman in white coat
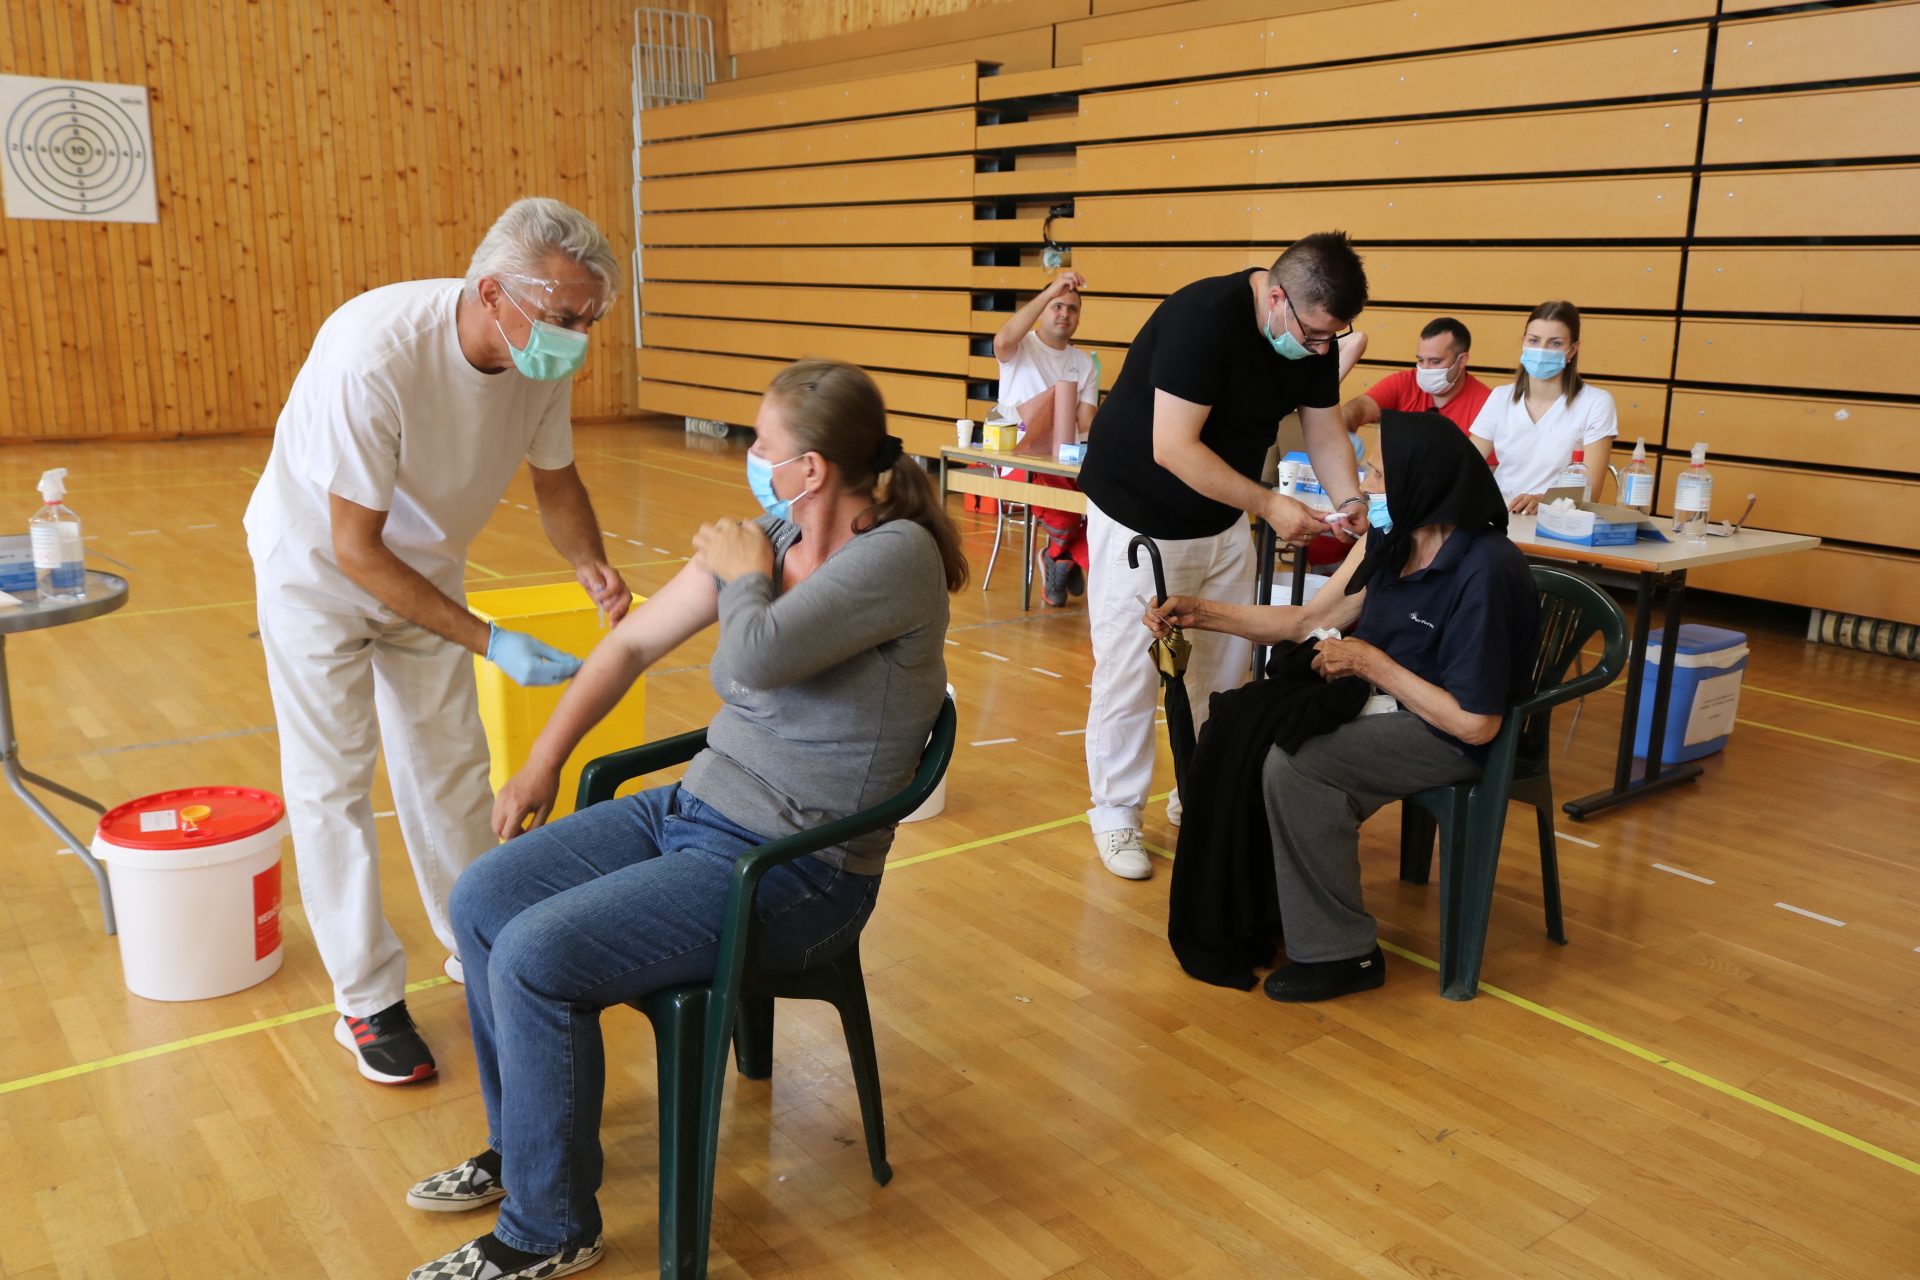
[{"x": 1533, "y": 426}]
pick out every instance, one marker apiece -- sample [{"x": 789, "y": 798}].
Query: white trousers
[
  {"x": 1126, "y": 685},
  {"x": 342, "y": 686}
]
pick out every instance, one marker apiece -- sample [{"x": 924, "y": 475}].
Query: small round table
[{"x": 105, "y": 593}]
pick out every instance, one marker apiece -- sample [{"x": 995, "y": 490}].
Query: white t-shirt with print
[
  {"x": 388, "y": 413},
  {"x": 1532, "y": 453},
  {"x": 1036, "y": 366}
]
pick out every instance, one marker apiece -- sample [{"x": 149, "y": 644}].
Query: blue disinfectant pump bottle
[{"x": 59, "y": 563}]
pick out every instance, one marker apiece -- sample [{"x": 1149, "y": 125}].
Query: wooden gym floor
[{"x": 1702, "y": 1084}]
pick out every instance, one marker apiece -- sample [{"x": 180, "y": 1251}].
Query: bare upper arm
[
  {"x": 1484, "y": 445},
  {"x": 1331, "y": 606},
  {"x": 686, "y": 606}
]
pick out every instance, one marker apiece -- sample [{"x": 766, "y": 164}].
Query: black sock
[
  {"x": 490, "y": 1161},
  {"x": 505, "y": 1256}
]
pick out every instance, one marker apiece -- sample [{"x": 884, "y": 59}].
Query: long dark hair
[
  {"x": 1569, "y": 315},
  {"x": 835, "y": 410}
]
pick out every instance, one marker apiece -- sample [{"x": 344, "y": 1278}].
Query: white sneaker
[
  {"x": 1174, "y": 807},
  {"x": 1123, "y": 854},
  {"x": 456, "y": 970}
]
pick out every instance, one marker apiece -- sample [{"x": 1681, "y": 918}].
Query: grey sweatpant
[{"x": 1316, "y": 801}]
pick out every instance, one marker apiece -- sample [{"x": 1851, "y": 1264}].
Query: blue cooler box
[{"x": 1706, "y": 692}]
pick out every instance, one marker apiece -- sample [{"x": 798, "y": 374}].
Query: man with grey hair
[{"x": 403, "y": 429}]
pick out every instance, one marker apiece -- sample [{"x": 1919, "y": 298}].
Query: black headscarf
[{"x": 1434, "y": 476}]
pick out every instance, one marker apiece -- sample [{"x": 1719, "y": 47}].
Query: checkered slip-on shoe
[
  {"x": 468, "y": 1263},
  {"x": 465, "y": 1186}
]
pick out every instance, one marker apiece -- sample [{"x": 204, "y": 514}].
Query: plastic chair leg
[
  {"x": 1417, "y": 831},
  {"x": 753, "y": 1037},
  {"x": 1469, "y": 860},
  {"x": 856, "y": 1021},
  {"x": 679, "y": 1017},
  {"x": 1550, "y": 870}
]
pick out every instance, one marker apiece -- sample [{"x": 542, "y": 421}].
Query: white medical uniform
[
  {"x": 1035, "y": 367},
  {"x": 1532, "y": 453},
  {"x": 387, "y": 413}
]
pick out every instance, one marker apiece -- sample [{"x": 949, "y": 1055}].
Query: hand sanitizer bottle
[
  {"x": 1693, "y": 497},
  {"x": 1636, "y": 480},
  {"x": 59, "y": 564},
  {"x": 1574, "y": 475}
]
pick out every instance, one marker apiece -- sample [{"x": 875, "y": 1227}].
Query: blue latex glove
[{"x": 527, "y": 660}]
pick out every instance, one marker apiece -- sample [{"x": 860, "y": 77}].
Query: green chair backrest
[{"x": 1572, "y": 609}]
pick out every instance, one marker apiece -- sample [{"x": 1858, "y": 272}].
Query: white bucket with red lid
[{"x": 196, "y": 888}]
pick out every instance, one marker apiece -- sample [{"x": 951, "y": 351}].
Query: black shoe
[
  {"x": 1303, "y": 983},
  {"x": 1058, "y": 580},
  {"x": 1076, "y": 579},
  {"x": 385, "y": 1046}
]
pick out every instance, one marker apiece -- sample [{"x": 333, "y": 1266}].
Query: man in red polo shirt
[{"x": 1438, "y": 382}]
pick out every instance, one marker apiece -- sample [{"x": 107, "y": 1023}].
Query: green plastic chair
[
  {"x": 694, "y": 1022},
  {"x": 1471, "y": 817}
]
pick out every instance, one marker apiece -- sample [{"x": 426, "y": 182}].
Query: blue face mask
[
  {"x": 551, "y": 353},
  {"x": 760, "y": 480},
  {"x": 1286, "y": 344},
  {"x": 1539, "y": 362},
  {"x": 1377, "y": 514}
]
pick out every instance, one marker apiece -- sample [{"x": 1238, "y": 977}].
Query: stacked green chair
[
  {"x": 1471, "y": 817},
  {"x": 694, "y": 1023}
]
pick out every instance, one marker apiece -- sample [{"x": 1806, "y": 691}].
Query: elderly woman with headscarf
[{"x": 1438, "y": 618}]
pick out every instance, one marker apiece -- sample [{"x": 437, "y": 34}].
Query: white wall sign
[{"x": 77, "y": 151}]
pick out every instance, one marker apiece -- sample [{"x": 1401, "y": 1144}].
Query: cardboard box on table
[
  {"x": 1595, "y": 524},
  {"x": 565, "y": 617}
]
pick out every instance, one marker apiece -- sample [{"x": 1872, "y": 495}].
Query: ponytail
[{"x": 836, "y": 411}]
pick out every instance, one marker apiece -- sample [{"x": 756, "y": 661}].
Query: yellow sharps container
[{"x": 564, "y": 616}]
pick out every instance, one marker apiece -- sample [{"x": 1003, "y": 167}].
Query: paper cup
[{"x": 963, "y": 429}]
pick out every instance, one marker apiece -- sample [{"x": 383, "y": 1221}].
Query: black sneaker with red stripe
[{"x": 385, "y": 1045}]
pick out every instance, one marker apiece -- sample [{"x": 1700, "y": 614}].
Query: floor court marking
[
  {"x": 1811, "y": 915},
  {"x": 174, "y": 1046},
  {"x": 1561, "y": 835},
  {"x": 1675, "y": 871},
  {"x": 1574, "y": 1024},
  {"x": 1797, "y": 733}
]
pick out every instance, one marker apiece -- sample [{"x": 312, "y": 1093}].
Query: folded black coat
[{"x": 1223, "y": 912}]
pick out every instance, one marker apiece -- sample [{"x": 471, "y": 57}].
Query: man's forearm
[
  {"x": 1008, "y": 339},
  {"x": 566, "y": 514},
  {"x": 1331, "y": 453},
  {"x": 403, "y": 589}
]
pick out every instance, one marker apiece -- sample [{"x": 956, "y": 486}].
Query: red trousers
[{"x": 1066, "y": 530}]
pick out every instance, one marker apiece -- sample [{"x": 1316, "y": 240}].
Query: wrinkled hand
[
  {"x": 1352, "y": 524},
  {"x": 1525, "y": 504},
  {"x": 529, "y": 662},
  {"x": 608, "y": 589},
  {"x": 1292, "y": 520},
  {"x": 729, "y": 549},
  {"x": 1174, "y": 611},
  {"x": 1347, "y": 657},
  {"x": 524, "y": 802}
]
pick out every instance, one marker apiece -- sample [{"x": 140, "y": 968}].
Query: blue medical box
[
  {"x": 16, "y": 564},
  {"x": 1707, "y": 674}
]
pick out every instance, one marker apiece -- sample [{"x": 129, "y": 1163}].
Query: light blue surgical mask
[
  {"x": 760, "y": 480},
  {"x": 1377, "y": 514},
  {"x": 1286, "y": 344},
  {"x": 551, "y": 353},
  {"x": 1542, "y": 362}
]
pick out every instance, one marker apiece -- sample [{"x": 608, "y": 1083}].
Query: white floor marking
[
  {"x": 1811, "y": 915},
  {"x": 1577, "y": 840},
  {"x": 523, "y": 506},
  {"x": 203, "y": 526},
  {"x": 1068, "y": 733},
  {"x": 635, "y": 543},
  {"x": 991, "y": 742},
  {"x": 387, "y": 813},
  {"x": 608, "y": 533},
  {"x": 1159, "y": 721},
  {"x": 954, "y": 643},
  {"x": 141, "y": 532},
  {"x": 1043, "y": 671},
  {"x": 1675, "y": 871},
  {"x": 662, "y": 550},
  {"x": 996, "y": 657}
]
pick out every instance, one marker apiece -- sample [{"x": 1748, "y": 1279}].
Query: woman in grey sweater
[{"x": 833, "y": 618}]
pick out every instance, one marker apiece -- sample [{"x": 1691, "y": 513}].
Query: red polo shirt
[{"x": 1399, "y": 392}]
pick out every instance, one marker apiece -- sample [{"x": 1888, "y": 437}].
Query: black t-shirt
[
  {"x": 1469, "y": 622},
  {"x": 1204, "y": 345}
]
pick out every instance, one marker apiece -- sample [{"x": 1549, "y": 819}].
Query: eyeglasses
[
  {"x": 567, "y": 303},
  {"x": 1307, "y": 338}
]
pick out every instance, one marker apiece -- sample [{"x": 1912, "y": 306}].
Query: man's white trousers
[
  {"x": 1121, "y": 734},
  {"x": 343, "y": 686}
]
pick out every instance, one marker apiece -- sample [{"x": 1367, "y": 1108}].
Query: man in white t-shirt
[
  {"x": 410, "y": 416},
  {"x": 1036, "y": 353}
]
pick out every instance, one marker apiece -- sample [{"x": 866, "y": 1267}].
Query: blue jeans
[{"x": 602, "y": 907}]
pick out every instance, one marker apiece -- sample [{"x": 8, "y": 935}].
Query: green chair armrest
[{"x": 604, "y": 774}]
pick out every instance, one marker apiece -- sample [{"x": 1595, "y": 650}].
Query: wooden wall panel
[
  {"x": 1030, "y": 49},
  {"x": 870, "y": 308},
  {"x": 1843, "y": 433},
  {"x": 1524, "y": 75},
  {"x": 1876, "y": 509},
  {"x": 950, "y": 267},
  {"x": 942, "y": 178},
  {"x": 1811, "y": 202},
  {"x": 1618, "y": 138},
  {"x": 1841, "y": 124},
  {"x": 904, "y": 393},
  {"x": 1837, "y": 578},
  {"x": 1874, "y": 359},
  {"x": 920, "y": 90},
  {"x": 871, "y": 224},
  {"x": 304, "y": 152},
  {"x": 915, "y": 352},
  {"x": 771, "y": 36},
  {"x": 1805, "y": 48},
  {"x": 1855, "y": 280},
  {"x": 1620, "y": 346},
  {"x": 928, "y": 133}
]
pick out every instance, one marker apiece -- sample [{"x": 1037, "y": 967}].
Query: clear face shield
[{"x": 565, "y": 304}]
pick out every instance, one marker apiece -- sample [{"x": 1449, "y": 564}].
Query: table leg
[
  {"x": 17, "y": 779},
  {"x": 1026, "y": 576},
  {"x": 1653, "y": 780}
]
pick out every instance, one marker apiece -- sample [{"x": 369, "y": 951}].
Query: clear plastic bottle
[
  {"x": 1693, "y": 498},
  {"x": 1636, "y": 480},
  {"x": 1574, "y": 475},
  {"x": 59, "y": 562}
]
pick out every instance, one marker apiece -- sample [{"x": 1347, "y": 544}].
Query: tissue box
[
  {"x": 1000, "y": 435},
  {"x": 16, "y": 564},
  {"x": 1074, "y": 453},
  {"x": 1593, "y": 524}
]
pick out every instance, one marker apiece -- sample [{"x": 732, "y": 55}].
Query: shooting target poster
[{"x": 77, "y": 151}]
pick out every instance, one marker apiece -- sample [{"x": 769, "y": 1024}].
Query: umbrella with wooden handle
[{"x": 1169, "y": 655}]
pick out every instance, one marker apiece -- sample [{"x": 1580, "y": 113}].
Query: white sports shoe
[
  {"x": 455, "y": 970},
  {"x": 1123, "y": 854},
  {"x": 1174, "y": 807}
]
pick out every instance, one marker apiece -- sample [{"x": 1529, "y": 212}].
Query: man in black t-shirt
[{"x": 1175, "y": 453}]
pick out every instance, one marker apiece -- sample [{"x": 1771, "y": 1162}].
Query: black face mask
[{"x": 1434, "y": 476}]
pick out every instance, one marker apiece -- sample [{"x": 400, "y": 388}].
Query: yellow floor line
[
  {"x": 174, "y": 1046},
  {"x": 1837, "y": 706},
  {"x": 184, "y": 608},
  {"x": 1679, "y": 1069},
  {"x": 1891, "y": 755},
  {"x": 482, "y": 568}
]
